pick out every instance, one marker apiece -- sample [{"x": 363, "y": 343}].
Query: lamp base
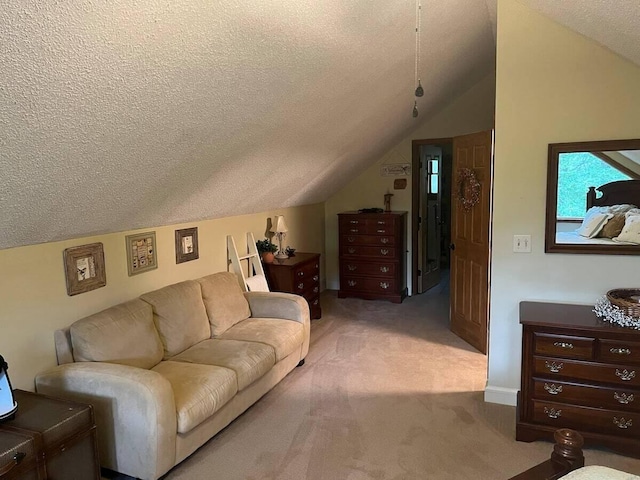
[{"x": 281, "y": 255}]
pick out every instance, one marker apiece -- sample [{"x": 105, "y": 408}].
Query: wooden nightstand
[{"x": 299, "y": 274}]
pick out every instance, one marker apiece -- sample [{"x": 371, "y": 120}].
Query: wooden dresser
[
  {"x": 579, "y": 372},
  {"x": 299, "y": 274},
  {"x": 372, "y": 255}
]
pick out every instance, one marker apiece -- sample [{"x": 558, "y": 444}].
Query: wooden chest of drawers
[
  {"x": 579, "y": 372},
  {"x": 299, "y": 274},
  {"x": 372, "y": 255}
]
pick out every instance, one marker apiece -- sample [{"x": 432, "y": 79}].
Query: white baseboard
[{"x": 503, "y": 396}]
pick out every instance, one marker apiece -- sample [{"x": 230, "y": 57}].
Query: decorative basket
[{"x": 626, "y": 299}]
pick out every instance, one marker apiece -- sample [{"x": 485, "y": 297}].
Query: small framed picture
[
  {"x": 141, "y": 252},
  {"x": 84, "y": 268},
  {"x": 186, "y": 244}
]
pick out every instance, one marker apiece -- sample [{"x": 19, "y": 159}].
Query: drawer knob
[
  {"x": 566, "y": 345},
  {"x": 315, "y": 289},
  {"x": 351, "y": 250},
  {"x": 384, "y": 269},
  {"x": 626, "y": 375},
  {"x": 623, "y": 398},
  {"x": 381, "y": 222},
  {"x": 354, "y": 230},
  {"x": 620, "y": 351},
  {"x": 352, "y": 268},
  {"x": 553, "y": 389},
  {"x": 352, "y": 283},
  {"x": 316, "y": 278},
  {"x": 384, "y": 285},
  {"x": 354, "y": 222},
  {"x": 552, "y": 412},
  {"x": 381, "y": 230},
  {"x": 315, "y": 302},
  {"x": 384, "y": 240},
  {"x": 554, "y": 367},
  {"x": 351, "y": 239},
  {"x": 301, "y": 274},
  {"x": 622, "y": 423},
  {"x": 384, "y": 251},
  {"x": 300, "y": 286}
]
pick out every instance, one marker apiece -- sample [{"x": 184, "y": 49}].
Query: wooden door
[{"x": 470, "y": 237}]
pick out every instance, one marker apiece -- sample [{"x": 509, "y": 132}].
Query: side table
[
  {"x": 49, "y": 438},
  {"x": 299, "y": 274}
]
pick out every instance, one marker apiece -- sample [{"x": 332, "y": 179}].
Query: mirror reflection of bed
[
  {"x": 593, "y": 197},
  {"x": 610, "y": 208}
]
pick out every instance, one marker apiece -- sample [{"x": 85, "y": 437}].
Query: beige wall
[
  {"x": 552, "y": 85},
  {"x": 33, "y": 298},
  {"x": 468, "y": 113}
]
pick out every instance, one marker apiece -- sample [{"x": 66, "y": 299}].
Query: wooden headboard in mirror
[{"x": 582, "y": 176}]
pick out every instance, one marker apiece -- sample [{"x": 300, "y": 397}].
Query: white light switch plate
[{"x": 522, "y": 243}]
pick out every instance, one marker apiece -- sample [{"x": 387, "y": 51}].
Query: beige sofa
[{"x": 167, "y": 371}]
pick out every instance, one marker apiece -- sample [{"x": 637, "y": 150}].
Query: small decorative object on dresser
[
  {"x": 621, "y": 306},
  {"x": 372, "y": 255},
  {"x": 300, "y": 275},
  {"x": 579, "y": 372}
]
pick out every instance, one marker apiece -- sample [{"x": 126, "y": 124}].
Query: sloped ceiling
[{"x": 123, "y": 114}]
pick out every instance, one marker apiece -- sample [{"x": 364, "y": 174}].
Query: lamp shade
[
  {"x": 8, "y": 406},
  {"x": 279, "y": 225}
]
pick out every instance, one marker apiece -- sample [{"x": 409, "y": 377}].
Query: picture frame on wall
[
  {"x": 141, "y": 253},
  {"x": 187, "y": 245},
  {"x": 84, "y": 268}
]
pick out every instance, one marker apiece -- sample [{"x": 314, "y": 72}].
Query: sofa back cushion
[
  {"x": 224, "y": 301},
  {"x": 179, "y": 315},
  {"x": 123, "y": 334}
]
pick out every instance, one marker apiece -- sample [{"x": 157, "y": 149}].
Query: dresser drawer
[
  {"x": 378, "y": 285},
  {"x": 596, "y": 372},
  {"x": 306, "y": 271},
  {"x": 564, "y": 346},
  {"x": 376, "y": 269},
  {"x": 623, "y": 399},
  {"x": 593, "y": 419},
  {"x": 363, "y": 251},
  {"x": 379, "y": 240},
  {"x": 370, "y": 224},
  {"x": 619, "y": 351}
]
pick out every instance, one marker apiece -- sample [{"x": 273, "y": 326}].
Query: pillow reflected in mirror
[{"x": 631, "y": 231}]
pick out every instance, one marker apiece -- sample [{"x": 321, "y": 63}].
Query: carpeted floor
[{"x": 387, "y": 393}]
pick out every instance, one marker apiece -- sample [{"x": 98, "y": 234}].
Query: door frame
[{"x": 415, "y": 203}]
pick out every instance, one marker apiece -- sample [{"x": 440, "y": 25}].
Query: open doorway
[{"x": 432, "y": 172}]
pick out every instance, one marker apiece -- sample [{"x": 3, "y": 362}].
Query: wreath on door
[{"x": 468, "y": 188}]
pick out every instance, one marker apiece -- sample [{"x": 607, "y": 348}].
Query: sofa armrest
[
  {"x": 134, "y": 409},
  {"x": 278, "y": 305}
]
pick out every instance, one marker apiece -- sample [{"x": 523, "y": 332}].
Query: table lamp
[
  {"x": 280, "y": 229},
  {"x": 8, "y": 405}
]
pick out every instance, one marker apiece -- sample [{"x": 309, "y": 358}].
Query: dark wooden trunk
[{"x": 49, "y": 438}]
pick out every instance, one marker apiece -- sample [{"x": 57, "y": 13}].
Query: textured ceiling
[{"x": 123, "y": 114}]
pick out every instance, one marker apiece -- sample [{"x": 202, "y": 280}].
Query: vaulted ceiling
[{"x": 123, "y": 114}]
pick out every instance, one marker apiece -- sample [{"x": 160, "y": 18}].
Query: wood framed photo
[
  {"x": 84, "y": 268},
  {"x": 186, "y": 244},
  {"x": 141, "y": 252}
]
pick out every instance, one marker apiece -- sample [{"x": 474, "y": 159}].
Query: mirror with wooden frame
[{"x": 593, "y": 198}]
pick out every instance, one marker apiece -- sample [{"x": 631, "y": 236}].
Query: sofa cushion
[
  {"x": 123, "y": 334},
  {"x": 224, "y": 301},
  {"x": 199, "y": 390},
  {"x": 250, "y": 360},
  {"x": 285, "y": 336},
  {"x": 179, "y": 315}
]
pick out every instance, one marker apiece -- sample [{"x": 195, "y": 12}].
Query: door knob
[{"x": 452, "y": 246}]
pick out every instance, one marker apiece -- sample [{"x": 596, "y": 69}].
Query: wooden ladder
[{"x": 251, "y": 275}]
